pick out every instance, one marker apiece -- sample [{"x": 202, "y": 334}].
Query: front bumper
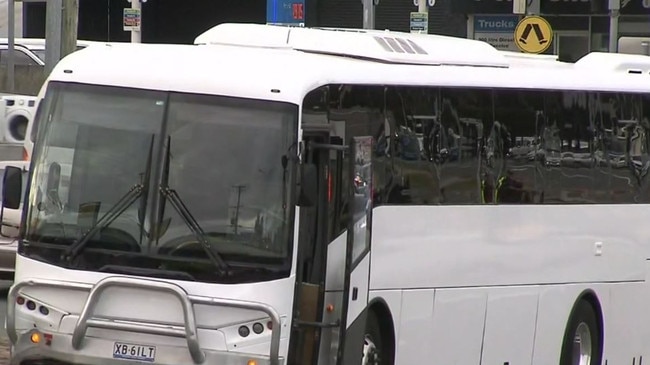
[
  {"x": 79, "y": 347},
  {"x": 99, "y": 351}
]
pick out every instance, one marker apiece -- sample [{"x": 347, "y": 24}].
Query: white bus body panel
[
  {"x": 508, "y": 245},
  {"x": 486, "y": 307}
]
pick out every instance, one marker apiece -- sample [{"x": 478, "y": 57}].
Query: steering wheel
[{"x": 179, "y": 243}]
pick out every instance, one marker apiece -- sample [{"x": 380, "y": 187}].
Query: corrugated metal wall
[
  {"x": 340, "y": 13},
  {"x": 165, "y": 21}
]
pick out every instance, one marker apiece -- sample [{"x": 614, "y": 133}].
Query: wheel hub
[
  {"x": 582, "y": 346},
  {"x": 370, "y": 353}
]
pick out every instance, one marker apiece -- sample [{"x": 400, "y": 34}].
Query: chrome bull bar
[{"x": 188, "y": 331}]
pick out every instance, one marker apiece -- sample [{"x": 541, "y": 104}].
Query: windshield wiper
[
  {"x": 194, "y": 226},
  {"x": 170, "y": 194},
  {"x": 115, "y": 211},
  {"x": 123, "y": 204}
]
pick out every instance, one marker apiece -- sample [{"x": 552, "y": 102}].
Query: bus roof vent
[
  {"x": 615, "y": 62},
  {"x": 382, "y": 46},
  {"x": 399, "y": 45}
]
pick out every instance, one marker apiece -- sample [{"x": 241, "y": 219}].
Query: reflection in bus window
[{"x": 458, "y": 146}]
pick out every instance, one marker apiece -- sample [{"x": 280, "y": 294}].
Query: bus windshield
[{"x": 162, "y": 184}]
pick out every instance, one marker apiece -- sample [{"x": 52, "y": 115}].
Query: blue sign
[
  {"x": 286, "y": 12},
  {"x": 495, "y": 23}
]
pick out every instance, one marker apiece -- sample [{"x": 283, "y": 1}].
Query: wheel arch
[
  {"x": 379, "y": 308},
  {"x": 590, "y": 297}
]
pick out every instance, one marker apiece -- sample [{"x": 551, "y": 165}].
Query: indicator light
[
  {"x": 258, "y": 328},
  {"x": 244, "y": 331}
]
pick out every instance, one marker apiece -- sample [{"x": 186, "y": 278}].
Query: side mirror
[
  {"x": 308, "y": 188},
  {"x": 12, "y": 186},
  {"x": 11, "y": 196}
]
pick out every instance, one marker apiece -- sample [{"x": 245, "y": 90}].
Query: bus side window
[{"x": 354, "y": 111}]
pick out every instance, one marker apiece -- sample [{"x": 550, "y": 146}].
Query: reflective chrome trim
[{"x": 189, "y": 331}]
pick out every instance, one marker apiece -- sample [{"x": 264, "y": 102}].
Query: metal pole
[
  {"x": 422, "y": 6},
  {"x": 69, "y": 26},
  {"x": 239, "y": 191},
  {"x": 136, "y": 35},
  {"x": 368, "y": 14},
  {"x": 614, "y": 6},
  {"x": 11, "y": 35},
  {"x": 53, "y": 23}
]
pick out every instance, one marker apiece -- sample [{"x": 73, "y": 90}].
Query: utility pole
[
  {"x": 69, "y": 27},
  {"x": 422, "y": 6},
  {"x": 369, "y": 13},
  {"x": 239, "y": 188},
  {"x": 53, "y": 33},
  {"x": 61, "y": 22},
  {"x": 614, "y": 8},
  {"x": 11, "y": 33},
  {"x": 136, "y": 31}
]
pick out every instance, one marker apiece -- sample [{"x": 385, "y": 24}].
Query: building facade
[
  {"x": 579, "y": 26},
  {"x": 172, "y": 21}
]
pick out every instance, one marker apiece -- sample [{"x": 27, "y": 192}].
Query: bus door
[
  {"x": 341, "y": 333},
  {"x": 322, "y": 153},
  {"x": 356, "y": 283}
]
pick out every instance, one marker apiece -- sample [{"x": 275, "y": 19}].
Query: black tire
[
  {"x": 583, "y": 313},
  {"x": 373, "y": 332}
]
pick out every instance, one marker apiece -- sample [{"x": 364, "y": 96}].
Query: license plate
[{"x": 130, "y": 351}]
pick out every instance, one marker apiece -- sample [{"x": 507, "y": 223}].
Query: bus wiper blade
[
  {"x": 190, "y": 221},
  {"x": 123, "y": 204}
]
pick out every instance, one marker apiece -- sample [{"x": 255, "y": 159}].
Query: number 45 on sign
[{"x": 430, "y": 2}]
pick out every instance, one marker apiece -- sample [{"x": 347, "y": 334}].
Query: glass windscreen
[{"x": 175, "y": 185}]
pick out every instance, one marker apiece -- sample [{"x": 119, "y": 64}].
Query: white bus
[{"x": 317, "y": 196}]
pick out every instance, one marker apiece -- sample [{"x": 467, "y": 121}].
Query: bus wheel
[
  {"x": 581, "y": 345},
  {"x": 372, "y": 342}
]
